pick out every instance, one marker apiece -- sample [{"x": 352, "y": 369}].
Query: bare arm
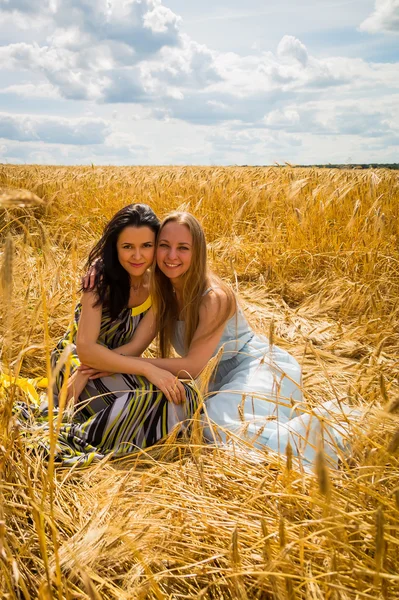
[
  {"x": 99, "y": 357},
  {"x": 89, "y": 350},
  {"x": 202, "y": 346},
  {"x": 142, "y": 338}
]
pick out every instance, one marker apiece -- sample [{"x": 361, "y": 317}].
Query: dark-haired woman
[{"x": 118, "y": 413}]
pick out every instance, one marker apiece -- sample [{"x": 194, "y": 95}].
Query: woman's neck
[
  {"x": 178, "y": 295},
  {"x": 177, "y": 285},
  {"x": 138, "y": 290},
  {"x": 137, "y": 283}
]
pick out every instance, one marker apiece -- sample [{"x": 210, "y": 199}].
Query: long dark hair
[{"x": 112, "y": 281}]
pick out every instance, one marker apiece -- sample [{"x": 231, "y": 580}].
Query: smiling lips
[
  {"x": 136, "y": 265},
  {"x": 171, "y": 266}
]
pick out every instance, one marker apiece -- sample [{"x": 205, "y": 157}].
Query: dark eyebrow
[{"x": 147, "y": 242}]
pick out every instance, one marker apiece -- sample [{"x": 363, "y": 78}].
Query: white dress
[{"x": 255, "y": 395}]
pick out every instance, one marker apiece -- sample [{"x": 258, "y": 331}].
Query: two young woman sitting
[{"x": 151, "y": 279}]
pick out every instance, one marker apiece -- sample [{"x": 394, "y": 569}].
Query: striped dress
[{"x": 119, "y": 413}]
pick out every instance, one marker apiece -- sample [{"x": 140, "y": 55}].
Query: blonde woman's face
[{"x": 174, "y": 250}]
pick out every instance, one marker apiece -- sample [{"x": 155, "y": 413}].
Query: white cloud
[
  {"x": 335, "y": 119},
  {"x": 385, "y": 17},
  {"x": 253, "y": 146},
  {"x": 59, "y": 154},
  {"x": 248, "y": 140},
  {"x": 144, "y": 25},
  {"x": 282, "y": 119},
  {"x": 91, "y": 54},
  {"x": 71, "y": 38},
  {"x": 160, "y": 18},
  {"x": 15, "y": 23},
  {"x": 31, "y": 90},
  {"x": 28, "y": 128},
  {"x": 192, "y": 65},
  {"x": 24, "y": 6},
  {"x": 60, "y": 66},
  {"x": 292, "y": 48},
  {"x": 251, "y": 87},
  {"x": 112, "y": 51},
  {"x": 353, "y": 121},
  {"x": 133, "y": 52}
]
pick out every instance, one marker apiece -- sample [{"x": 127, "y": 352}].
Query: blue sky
[{"x": 211, "y": 82}]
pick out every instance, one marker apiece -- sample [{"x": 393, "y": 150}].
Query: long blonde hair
[{"x": 197, "y": 280}]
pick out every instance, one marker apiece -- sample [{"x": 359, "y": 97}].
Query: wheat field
[{"x": 314, "y": 256}]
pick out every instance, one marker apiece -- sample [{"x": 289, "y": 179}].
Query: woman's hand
[
  {"x": 93, "y": 373},
  {"x": 75, "y": 386},
  {"x": 169, "y": 385},
  {"x": 89, "y": 278}
]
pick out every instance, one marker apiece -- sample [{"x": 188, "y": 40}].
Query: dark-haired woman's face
[{"x": 136, "y": 249}]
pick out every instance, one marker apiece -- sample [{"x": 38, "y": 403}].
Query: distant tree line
[{"x": 356, "y": 166}]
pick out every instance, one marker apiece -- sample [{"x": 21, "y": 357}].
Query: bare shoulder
[
  {"x": 89, "y": 299},
  {"x": 217, "y": 301}
]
